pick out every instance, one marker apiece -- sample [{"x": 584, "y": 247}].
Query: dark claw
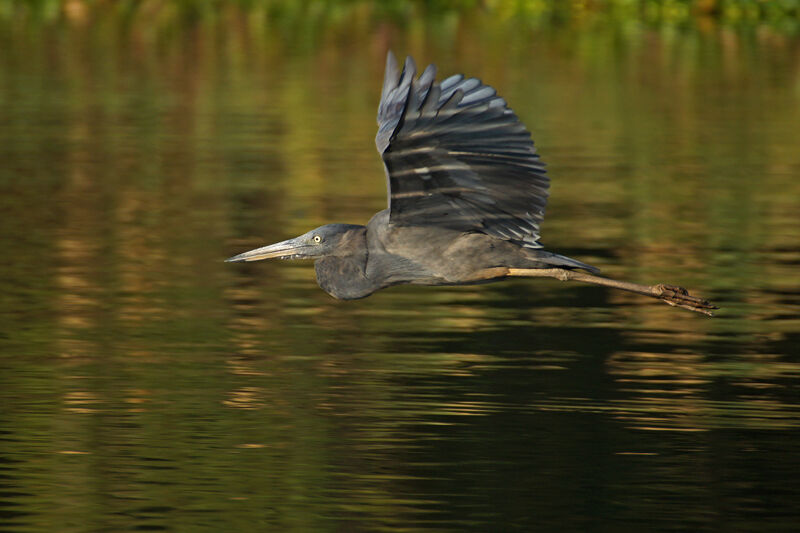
[{"x": 680, "y": 297}]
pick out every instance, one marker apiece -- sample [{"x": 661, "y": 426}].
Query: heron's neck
[
  {"x": 352, "y": 242},
  {"x": 343, "y": 274}
]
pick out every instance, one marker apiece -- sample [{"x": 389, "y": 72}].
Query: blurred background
[{"x": 147, "y": 385}]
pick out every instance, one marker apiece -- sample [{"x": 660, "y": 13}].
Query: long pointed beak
[{"x": 290, "y": 249}]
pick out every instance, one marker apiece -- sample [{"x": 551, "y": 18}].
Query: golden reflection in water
[
  {"x": 246, "y": 323},
  {"x": 675, "y": 387},
  {"x": 78, "y": 299},
  {"x": 81, "y": 401},
  {"x": 246, "y": 398},
  {"x": 139, "y": 256},
  {"x": 138, "y": 400},
  {"x": 184, "y": 145},
  {"x": 78, "y": 289}
]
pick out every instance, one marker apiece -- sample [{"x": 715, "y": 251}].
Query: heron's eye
[{"x": 317, "y": 239}]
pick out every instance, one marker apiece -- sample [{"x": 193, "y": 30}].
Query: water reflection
[{"x": 169, "y": 390}]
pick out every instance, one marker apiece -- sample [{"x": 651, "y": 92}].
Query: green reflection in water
[{"x": 147, "y": 384}]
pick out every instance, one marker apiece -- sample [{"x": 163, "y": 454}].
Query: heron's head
[{"x": 330, "y": 239}]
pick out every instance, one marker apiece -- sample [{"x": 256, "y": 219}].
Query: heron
[{"x": 467, "y": 192}]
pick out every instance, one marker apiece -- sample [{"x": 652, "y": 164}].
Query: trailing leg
[{"x": 676, "y": 296}]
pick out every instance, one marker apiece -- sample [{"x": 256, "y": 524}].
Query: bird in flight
[{"x": 466, "y": 192}]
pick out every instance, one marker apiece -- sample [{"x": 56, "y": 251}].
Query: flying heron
[{"x": 467, "y": 193}]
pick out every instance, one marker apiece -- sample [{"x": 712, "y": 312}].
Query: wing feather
[{"x": 456, "y": 156}]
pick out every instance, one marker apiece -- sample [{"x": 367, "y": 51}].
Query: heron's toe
[{"x": 680, "y": 297}]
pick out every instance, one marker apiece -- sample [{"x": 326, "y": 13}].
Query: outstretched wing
[{"x": 457, "y": 157}]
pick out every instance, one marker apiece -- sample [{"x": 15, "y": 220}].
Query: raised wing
[{"x": 457, "y": 157}]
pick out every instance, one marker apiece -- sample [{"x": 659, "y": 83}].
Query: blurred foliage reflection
[
  {"x": 143, "y": 142},
  {"x": 783, "y": 14}
]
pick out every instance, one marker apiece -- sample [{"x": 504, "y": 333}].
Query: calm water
[{"x": 147, "y": 385}]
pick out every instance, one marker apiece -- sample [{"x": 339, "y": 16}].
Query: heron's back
[{"x": 433, "y": 255}]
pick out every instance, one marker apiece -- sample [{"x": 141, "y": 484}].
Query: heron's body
[
  {"x": 467, "y": 194},
  {"x": 381, "y": 254}
]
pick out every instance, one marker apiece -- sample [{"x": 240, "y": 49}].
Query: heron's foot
[{"x": 680, "y": 297}]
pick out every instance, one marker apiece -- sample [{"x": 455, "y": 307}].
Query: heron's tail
[{"x": 561, "y": 261}]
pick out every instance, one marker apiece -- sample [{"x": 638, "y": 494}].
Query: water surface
[{"x": 147, "y": 385}]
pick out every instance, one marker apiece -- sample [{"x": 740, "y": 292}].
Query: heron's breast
[{"x": 344, "y": 278}]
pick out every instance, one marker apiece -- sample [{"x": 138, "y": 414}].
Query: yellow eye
[{"x": 317, "y": 239}]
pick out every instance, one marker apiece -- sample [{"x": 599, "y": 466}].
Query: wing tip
[
  {"x": 390, "y": 76},
  {"x": 409, "y": 70}
]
